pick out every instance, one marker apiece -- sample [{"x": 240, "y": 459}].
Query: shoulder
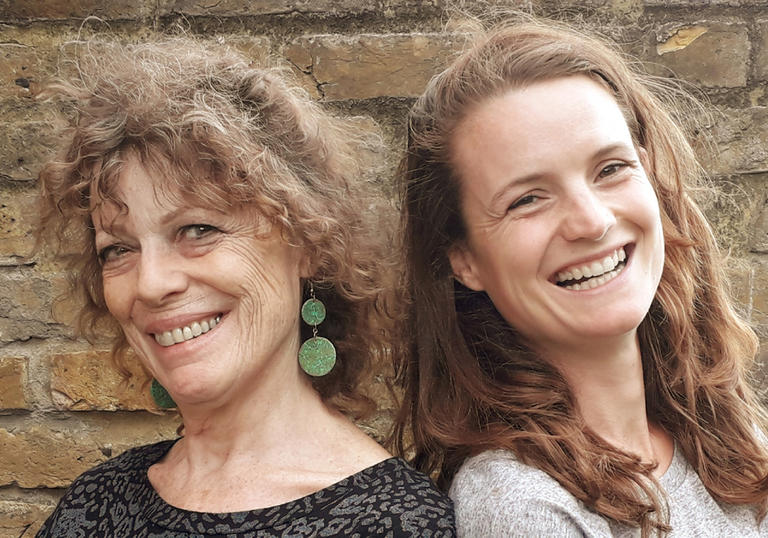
[
  {"x": 116, "y": 481},
  {"x": 134, "y": 461},
  {"x": 405, "y": 501},
  {"x": 497, "y": 495}
]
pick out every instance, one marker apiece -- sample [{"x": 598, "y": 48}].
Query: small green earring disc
[
  {"x": 317, "y": 356},
  {"x": 161, "y": 396},
  {"x": 313, "y": 312}
]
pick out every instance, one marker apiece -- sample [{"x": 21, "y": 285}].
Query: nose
[
  {"x": 586, "y": 216},
  {"x": 160, "y": 276}
]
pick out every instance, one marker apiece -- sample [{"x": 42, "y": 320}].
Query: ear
[{"x": 464, "y": 266}]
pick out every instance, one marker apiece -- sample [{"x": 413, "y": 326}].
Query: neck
[
  {"x": 277, "y": 404},
  {"x": 607, "y": 383}
]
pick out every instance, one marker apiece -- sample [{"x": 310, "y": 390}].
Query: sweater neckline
[
  {"x": 157, "y": 510},
  {"x": 675, "y": 475}
]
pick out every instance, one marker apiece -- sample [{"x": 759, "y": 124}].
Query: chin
[{"x": 193, "y": 388}]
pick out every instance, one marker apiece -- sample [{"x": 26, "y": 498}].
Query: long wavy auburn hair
[
  {"x": 226, "y": 132},
  {"x": 471, "y": 385}
]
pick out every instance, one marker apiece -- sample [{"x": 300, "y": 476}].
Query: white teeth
[
  {"x": 595, "y": 282},
  {"x": 593, "y": 269},
  {"x": 188, "y": 332},
  {"x": 164, "y": 339},
  {"x": 178, "y": 335}
]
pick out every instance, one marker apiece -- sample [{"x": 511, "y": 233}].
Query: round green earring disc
[
  {"x": 313, "y": 312},
  {"x": 161, "y": 396},
  {"x": 317, "y": 356}
]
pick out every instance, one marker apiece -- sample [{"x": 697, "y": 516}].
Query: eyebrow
[
  {"x": 530, "y": 178},
  {"x": 175, "y": 214}
]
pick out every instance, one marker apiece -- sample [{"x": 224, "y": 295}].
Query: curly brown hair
[
  {"x": 182, "y": 105},
  {"x": 470, "y": 382}
]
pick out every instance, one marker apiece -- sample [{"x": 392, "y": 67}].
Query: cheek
[
  {"x": 116, "y": 298},
  {"x": 267, "y": 282}
]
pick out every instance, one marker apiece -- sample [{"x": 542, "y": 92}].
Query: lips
[
  {"x": 184, "y": 333},
  {"x": 591, "y": 275}
]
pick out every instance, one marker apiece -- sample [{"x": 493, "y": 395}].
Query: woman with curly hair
[
  {"x": 213, "y": 207},
  {"x": 577, "y": 368}
]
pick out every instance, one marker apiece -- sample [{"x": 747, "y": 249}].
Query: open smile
[
  {"x": 187, "y": 332},
  {"x": 592, "y": 275}
]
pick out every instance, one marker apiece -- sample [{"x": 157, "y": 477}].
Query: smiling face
[
  {"x": 563, "y": 225},
  {"x": 207, "y": 299}
]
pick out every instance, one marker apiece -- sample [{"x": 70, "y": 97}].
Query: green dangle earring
[
  {"x": 317, "y": 355},
  {"x": 161, "y": 396}
]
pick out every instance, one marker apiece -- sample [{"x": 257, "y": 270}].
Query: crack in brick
[{"x": 309, "y": 70}]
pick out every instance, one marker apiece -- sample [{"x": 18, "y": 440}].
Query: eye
[
  {"x": 197, "y": 231},
  {"x": 612, "y": 169},
  {"x": 523, "y": 201},
  {"x": 112, "y": 253}
]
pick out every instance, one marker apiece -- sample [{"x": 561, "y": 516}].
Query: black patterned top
[{"x": 116, "y": 499}]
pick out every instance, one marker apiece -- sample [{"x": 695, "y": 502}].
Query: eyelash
[
  {"x": 614, "y": 168},
  {"x": 617, "y": 167},
  {"x": 103, "y": 253},
  {"x": 203, "y": 230},
  {"x": 525, "y": 200}
]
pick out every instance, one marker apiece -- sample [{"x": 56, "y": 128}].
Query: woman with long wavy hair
[
  {"x": 577, "y": 367},
  {"x": 212, "y": 217}
]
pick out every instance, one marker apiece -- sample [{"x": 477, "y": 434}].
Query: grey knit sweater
[{"x": 497, "y": 496}]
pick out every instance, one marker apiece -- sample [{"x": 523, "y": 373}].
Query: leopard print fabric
[{"x": 116, "y": 499}]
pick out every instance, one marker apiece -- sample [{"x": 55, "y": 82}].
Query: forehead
[
  {"x": 536, "y": 125},
  {"x": 573, "y": 103},
  {"x": 167, "y": 183}
]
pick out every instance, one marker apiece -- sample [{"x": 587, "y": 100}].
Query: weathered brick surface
[
  {"x": 758, "y": 240},
  {"x": 733, "y": 207},
  {"x": 51, "y": 457},
  {"x": 284, "y": 7},
  {"x": 18, "y": 214},
  {"x": 20, "y": 70},
  {"x": 85, "y": 381},
  {"x": 27, "y": 303},
  {"x": 705, "y": 3},
  {"x": 19, "y": 519},
  {"x": 759, "y": 300},
  {"x": 11, "y": 10},
  {"x": 24, "y": 147},
  {"x": 761, "y": 56},
  {"x": 360, "y": 67},
  {"x": 13, "y": 378},
  {"x": 709, "y": 53},
  {"x": 741, "y": 136}
]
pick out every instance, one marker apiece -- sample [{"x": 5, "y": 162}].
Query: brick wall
[{"x": 63, "y": 409}]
